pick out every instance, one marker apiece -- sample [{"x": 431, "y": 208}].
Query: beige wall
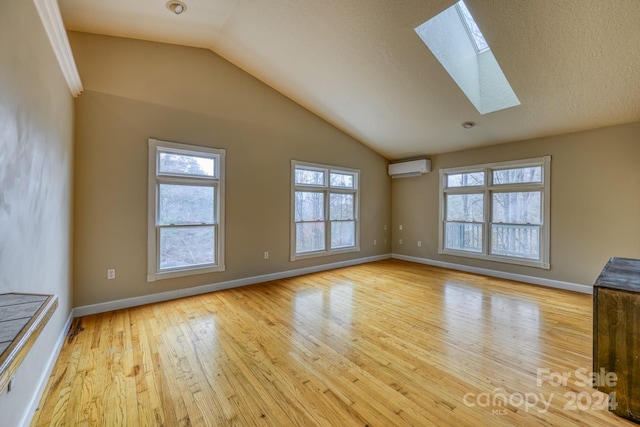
[
  {"x": 135, "y": 90},
  {"x": 36, "y": 135},
  {"x": 595, "y": 201}
]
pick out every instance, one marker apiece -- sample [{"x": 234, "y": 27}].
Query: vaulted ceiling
[{"x": 574, "y": 64}]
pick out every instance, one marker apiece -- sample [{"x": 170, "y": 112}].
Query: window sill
[
  {"x": 183, "y": 272},
  {"x": 308, "y": 255},
  {"x": 496, "y": 258}
]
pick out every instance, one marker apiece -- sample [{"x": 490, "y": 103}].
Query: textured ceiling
[{"x": 574, "y": 64}]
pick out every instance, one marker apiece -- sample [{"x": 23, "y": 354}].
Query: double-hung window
[
  {"x": 324, "y": 210},
  {"x": 186, "y": 212},
  {"x": 497, "y": 211}
]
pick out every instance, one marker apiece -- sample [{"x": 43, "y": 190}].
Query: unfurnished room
[{"x": 339, "y": 213}]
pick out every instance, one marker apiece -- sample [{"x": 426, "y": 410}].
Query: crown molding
[{"x": 53, "y": 25}]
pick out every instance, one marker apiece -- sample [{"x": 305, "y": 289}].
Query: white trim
[
  {"x": 550, "y": 283},
  {"x": 52, "y": 21},
  {"x": 180, "y": 293},
  {"x": 217, "y": 181},
  {"x": 489, "y": 188},
  {"x": 326, "y": 189},
  {"x": 32, "y": 407},
  {"x": 534, "y": 161},
  {"x": 198, "y": 290}
]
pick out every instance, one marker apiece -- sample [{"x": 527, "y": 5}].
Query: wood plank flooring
[{"x": 381, "y": 344}]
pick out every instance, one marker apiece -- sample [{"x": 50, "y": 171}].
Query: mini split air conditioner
[{"x": 410, "y": 168}]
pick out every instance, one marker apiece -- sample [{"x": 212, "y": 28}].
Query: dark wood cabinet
[{"x": 616, "y": 335}]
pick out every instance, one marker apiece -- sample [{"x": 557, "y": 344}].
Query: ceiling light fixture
[
  {"x": 468, "y": 125},
  {"x": 176, "y": 7}
]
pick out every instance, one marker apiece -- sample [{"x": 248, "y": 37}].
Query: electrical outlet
[
  {"x": 266, "y": 254},
  {"x": 375, "y": 242},
  {"x": 400, "y": 241},
  {"x": 400, "y": 227},
  {"x": 111, "y": 273},
  {"x": 419, "y": 243}
]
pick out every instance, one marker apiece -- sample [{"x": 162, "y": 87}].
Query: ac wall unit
[{"x": 410, "y": 168}]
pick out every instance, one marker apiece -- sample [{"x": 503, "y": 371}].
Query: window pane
[
  {"x": 518, "y": 175},
  {"x": 185, "y": 204},
  {"x": 521, "y": 241},
  {"x": 309, "y": 237},
  {"x": 471, "y": 179},
  {"x": 309, "y": 177},
  {"x": 474, "y": 32},
  {"x": 343, "y": 234},
  {"x": 309, "y": 206},
  {"x": 463, "y": 236},
  {"x": 186, "y": 246},
  {"x": 185, "y": 165},
  {"x": 517, "y": 208},
  {"x": 465, "y": 207},
  {"x": 343, "y": 180},
  {"x": 341, "y": 206}
]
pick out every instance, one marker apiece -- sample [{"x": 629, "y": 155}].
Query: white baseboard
[
  {"x": 576, "y": 287},
  {"x": 32, "y": 407},
  {"x": 180, "y": 293}
]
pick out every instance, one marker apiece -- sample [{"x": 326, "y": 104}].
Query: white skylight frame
[{"x": 452, "y": 40}]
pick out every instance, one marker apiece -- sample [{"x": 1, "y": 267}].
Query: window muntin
[
  {"x": 505, "y": 218},
  {"x": 324, "y": 210},
  {"x": 186, "y": 194}
]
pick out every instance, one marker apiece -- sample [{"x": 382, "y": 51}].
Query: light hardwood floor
[{"x": 381, "y": 344}]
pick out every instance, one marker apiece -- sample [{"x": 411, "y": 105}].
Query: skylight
[
  {"x": 472, "y": 28},
  {"x": 456, "y": 41}
]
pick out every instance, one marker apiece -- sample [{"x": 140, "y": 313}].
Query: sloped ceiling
[{"x": 574, "y": 64}]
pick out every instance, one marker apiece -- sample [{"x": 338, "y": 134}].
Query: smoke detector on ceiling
[{"x": 176, "y": 7}]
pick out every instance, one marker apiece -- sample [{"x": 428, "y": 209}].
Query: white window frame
[
  {"x": 327, "y": 190},
  {"x": 155, "y": 179},
  {"x": 487, "y": 190}
]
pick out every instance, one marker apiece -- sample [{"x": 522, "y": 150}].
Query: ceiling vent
[{"x": 409, "y": 168}]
